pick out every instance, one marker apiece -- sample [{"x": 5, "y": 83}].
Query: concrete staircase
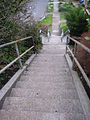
[{"x": 45, "y": 91}]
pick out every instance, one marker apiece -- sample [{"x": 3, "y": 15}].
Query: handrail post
[
  {"x": 18, "y": 54},
  {"x": 33, "y": 45},
  {"x": 48, "y": 35},
  {"x": 66, "y": 44},
  {"x": 75, "y": 51}
]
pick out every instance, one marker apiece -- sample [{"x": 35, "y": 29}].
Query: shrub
[
  {"x": 64, "y": 27},
  {"x": 76, "y": 21},
  {"x": 89, "y": 6},
  {"x": 89, "y": 22},
  {"x": 50, "y": 8},
  {"x": 65, "y": 7},
  {"x": 12, "y": 29},
  {"x": 34, "y": 31},
  {"x": 50, "y": 0},
  {"x": 69, "y": 1}
]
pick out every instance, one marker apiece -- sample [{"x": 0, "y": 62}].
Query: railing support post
[
  {"x": 18, "y": 54},
  {"x": 33, "y": 45},
  {"x": 75, "y": 51},
  {"x": 48, "y": 35},
  {"x": 66, "y": 44}
]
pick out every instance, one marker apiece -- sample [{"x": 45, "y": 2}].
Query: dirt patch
[{"x": 83, "y": 56}]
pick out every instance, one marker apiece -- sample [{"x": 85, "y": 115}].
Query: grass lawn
[
  {"x": 64, "y": 27},
  {"x": 50, "y": 0},
  {"x": 47, "y": 20},
  {"x": 50, "y": 8}
]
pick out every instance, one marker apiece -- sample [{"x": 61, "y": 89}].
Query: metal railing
[
  {"x": 48, "y": 34},
  {"x": 74, "y": 53},
  {"x": 64, "y": 34},
  {"x": 17, "y": 52},
  {"x": 87, "y": 11}
]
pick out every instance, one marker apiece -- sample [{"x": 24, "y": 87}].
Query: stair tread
[
  {"x": 28, "y": 115},
  {"x": 42, "y": 93},
  {"x": 46, "y": 78},
  {"x": 43, "y": 105},
  {"x": 45, "y": 85}
]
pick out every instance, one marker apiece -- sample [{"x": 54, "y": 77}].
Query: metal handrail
[
  {"x": 87, "y": 12},
  {"x": 83, "y": 46},
  {"x": 75, "y": 61},
  {"x": 13, "y": 42},
  {"x": 65, "y": 34},
  {"x": 17, "y": 51}
]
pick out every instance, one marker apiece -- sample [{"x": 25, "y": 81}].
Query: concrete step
[
  {"x": 60, "y": 69},
  {"x": 48, "y": 73},
  {"x": 27, "y": 115},
  {"x": 52, "y": 51},
  {"x": 43, "y": 105},
  {"x": 48, "y": 59},
  {"x": 45, "y": 85},
  {"x": 49, "y": 56},
  {"x": 51, "y": 60},
  {"x": 42, "y": 93},
  {"x": 50, "y": 66},
  {"x": 45, "y": 69},
  {"x": 53, "y": 47},
  {"x": 52, "y": 63},
  {"x": 46, "y": 78},
  {"x": 44, "y": 58},
  {"x": 57, "y": 61},
  {"x": 18, "y": 115}
]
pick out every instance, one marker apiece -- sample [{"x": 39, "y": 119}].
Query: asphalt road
[{"x": 35, "y": 7}]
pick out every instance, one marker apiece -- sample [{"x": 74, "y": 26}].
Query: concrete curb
[
  {"x": 5, "y": 91},
  {"x": 85, "y": 102}
]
